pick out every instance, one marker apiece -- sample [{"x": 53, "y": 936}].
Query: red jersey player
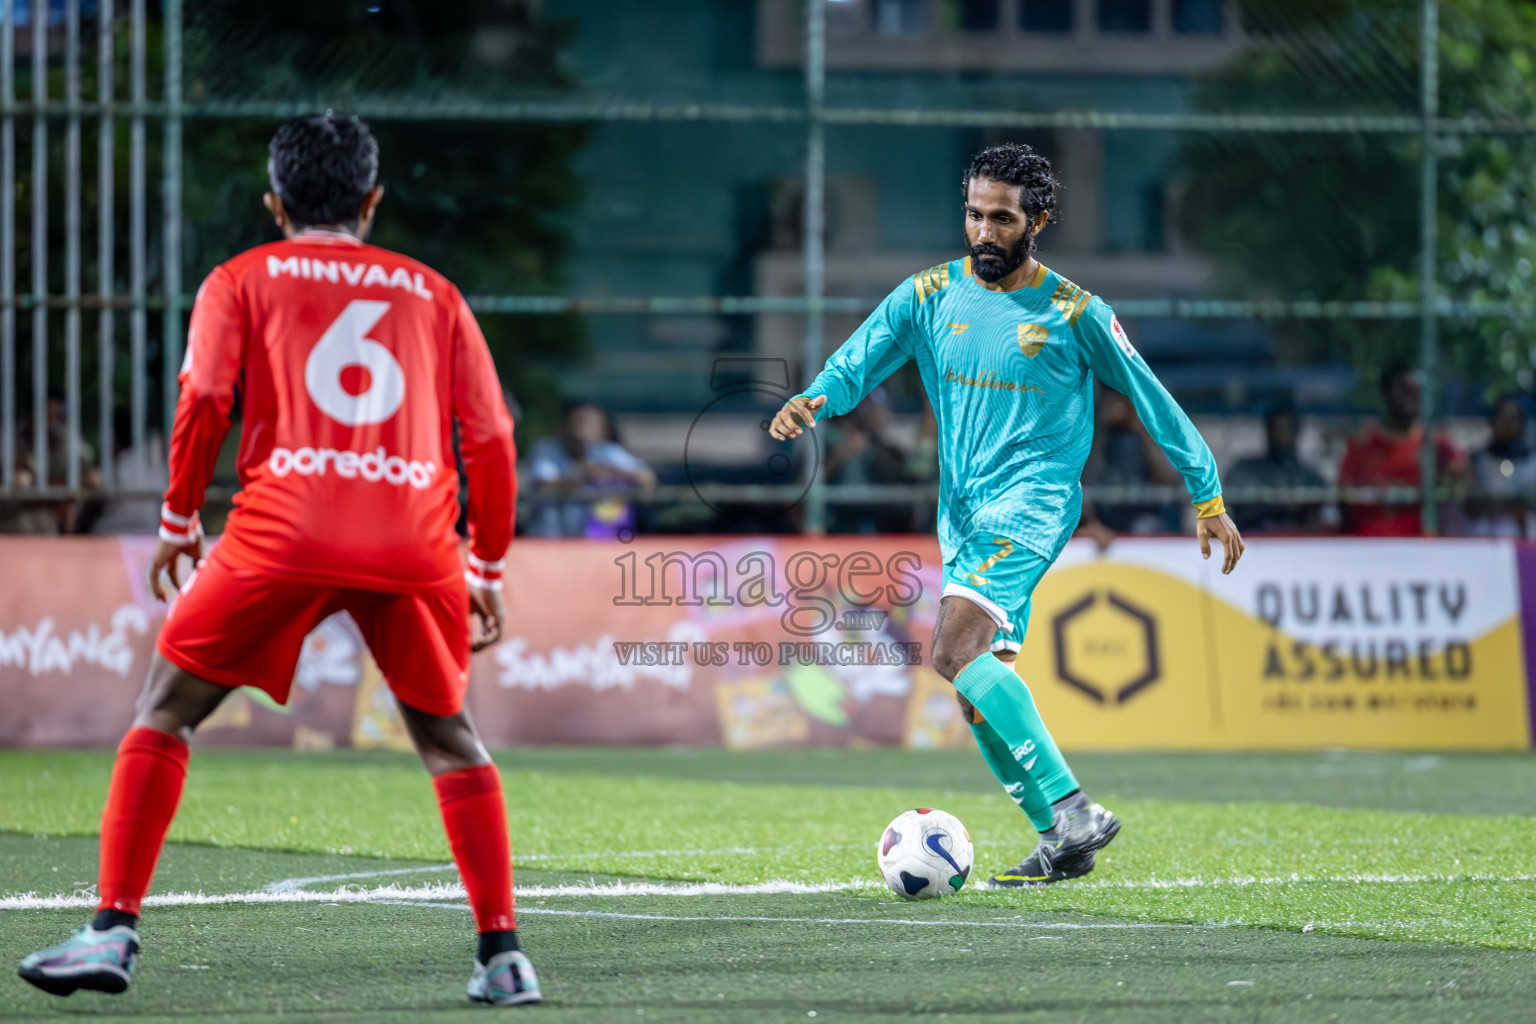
[{"x": 353, "y": 364}]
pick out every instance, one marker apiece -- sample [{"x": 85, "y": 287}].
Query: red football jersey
[
  {"x": 1373, "y": 459},
  {"x": 352, "y": 364}
]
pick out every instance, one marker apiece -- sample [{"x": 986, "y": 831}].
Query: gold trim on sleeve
[
  {"x": 933, "y": 280},
  {"x": 1077, "y": 310},
  {"x": 1210, "y": 508}
]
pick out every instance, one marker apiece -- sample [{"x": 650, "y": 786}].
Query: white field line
[
  {"x": 295, "y": 884},
  {"x": 1032, "y": 925},
  {"x": 290, "y": 884},
  {"x": 354, "y": 894},
  {"x": 1297, "y": 879},
  {"x": 86, "y": 899}
]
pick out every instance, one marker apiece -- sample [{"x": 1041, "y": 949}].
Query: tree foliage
[
  {"x": 483, "y": 203},
  {"x": 1336, "y": 217}
]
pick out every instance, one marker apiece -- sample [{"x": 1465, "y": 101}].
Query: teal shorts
[{"x": 999, "y": 574}]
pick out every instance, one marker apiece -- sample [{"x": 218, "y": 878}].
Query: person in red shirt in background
[
  {"x": 1386, "y": 454},
  {"x": 353, "y": 366}
]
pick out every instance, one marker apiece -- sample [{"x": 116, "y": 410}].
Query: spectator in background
[
  {"x": 1279, "y": 466},
  {"x": 922, "y": 463},
  {"x": 58, "y": 454},
  {"x": 49, "y": 516},
  {"x": 19, "y": 515},
  {"x": 585, "y": 454},
  {"x": 134, "y": 469},
  {"x": 922, "y": 467},
  {"x": 1504, "y": 476},
  {"x": 860, "y": 450},
  {"x": 1386, "y": 454},
  {"x": 1124, "y": 455}
]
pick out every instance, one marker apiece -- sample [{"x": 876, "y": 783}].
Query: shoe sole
[
  {"x": 521, "y": 999},
  {"x": 96, "y": 980},
  {"x": 1105, "y": 838},
  {"x": 1040, "y": 884},
  {"x": 995, "y": 882}
]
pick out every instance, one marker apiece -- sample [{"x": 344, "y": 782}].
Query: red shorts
[{"x": 245, "y": 627}]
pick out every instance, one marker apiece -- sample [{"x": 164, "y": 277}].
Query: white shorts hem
[{"x": 986, "y": 604}]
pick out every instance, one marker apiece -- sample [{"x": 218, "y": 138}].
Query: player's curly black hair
[
  {"x": 321, "y": 167},
  {"x": 1014, "y": 163}
]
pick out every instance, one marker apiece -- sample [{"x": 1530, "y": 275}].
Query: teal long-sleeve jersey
[{"x": 1010, "y": 377}]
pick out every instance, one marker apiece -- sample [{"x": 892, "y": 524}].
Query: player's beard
[{"x": 1005, "y": 261}]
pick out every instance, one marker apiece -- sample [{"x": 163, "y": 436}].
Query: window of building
[
  {"x": 1125, "y": 15},
  {"x": 1154, "y": 218},
  {"x": 900, "y": 17},
  {"x": 1197, "y": 17},
  {"x": 1045, "y": 15},
  {"x": 973, "y": 15},
  {"x": 847, "y": 15}
]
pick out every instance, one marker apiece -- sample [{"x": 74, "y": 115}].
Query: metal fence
[{"x": 121, "y": 38}]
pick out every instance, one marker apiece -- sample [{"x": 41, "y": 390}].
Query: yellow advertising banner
[
  {"x": 1351, "y": 643},
  {"x": 769, "y": 641}
]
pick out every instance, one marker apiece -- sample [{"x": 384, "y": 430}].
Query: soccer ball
[{"x": 925, "y": 853}]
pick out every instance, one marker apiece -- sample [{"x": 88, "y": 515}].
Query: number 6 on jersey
[{"x": 346, "y": 343}]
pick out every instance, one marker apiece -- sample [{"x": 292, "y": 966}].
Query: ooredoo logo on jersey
[{"x": 375, "y": 466}]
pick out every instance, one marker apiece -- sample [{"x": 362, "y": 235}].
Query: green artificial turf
[{"x": 1220, "y": 886}]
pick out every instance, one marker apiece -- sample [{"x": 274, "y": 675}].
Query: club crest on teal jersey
[{"x": 1032, "y": 338}]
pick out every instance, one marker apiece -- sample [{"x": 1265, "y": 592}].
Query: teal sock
[
  {"x": 1005, "y": 702},
  {"x": 1021, "y": 789}
]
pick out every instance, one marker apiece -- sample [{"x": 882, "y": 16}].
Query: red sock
[
  {"x": 476, "y": 820},
  {"x": 146, "y": 786}
]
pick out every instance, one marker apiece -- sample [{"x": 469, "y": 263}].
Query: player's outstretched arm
[
  {"x": 1223, "y": 529},
  {"x": 798, "y": 413},
  {"x": 870, "y": 355},
  {"x": 1112, "y": 357}
]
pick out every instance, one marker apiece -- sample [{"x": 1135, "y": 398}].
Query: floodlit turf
[{"x": 1201, "y": 896}]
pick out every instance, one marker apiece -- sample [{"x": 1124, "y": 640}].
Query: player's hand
[
  {"x": 797, "y": 414},
  {"x": 1223, "y": 529},
  {"x": 166, "y": 561},
  {"x": 488, "y": 607}
]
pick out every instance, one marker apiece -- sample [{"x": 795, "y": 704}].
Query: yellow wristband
[{"x": 1210, "y": 508}]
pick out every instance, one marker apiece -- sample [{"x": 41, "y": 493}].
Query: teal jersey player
[
  {"x": 1008, "y": 351},
  {"x": 1010, "y": 377}
]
